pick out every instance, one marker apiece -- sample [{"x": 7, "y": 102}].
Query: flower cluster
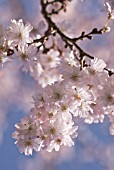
[
  {"x": 71, "y": 83},
  {"x": 44, "y": 129},
  {"x": 79, "y": 94}
]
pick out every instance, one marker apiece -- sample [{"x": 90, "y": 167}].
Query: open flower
[{"x": 18, "y": 33}]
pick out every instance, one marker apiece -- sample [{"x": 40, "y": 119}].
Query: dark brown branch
[
  {"x": 71, "y": 42},
  {"x": 89, "y": 35},
  {"x": 68, "y": 41}
]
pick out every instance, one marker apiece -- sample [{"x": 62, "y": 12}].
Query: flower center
[{"x": 28, "y": 143}]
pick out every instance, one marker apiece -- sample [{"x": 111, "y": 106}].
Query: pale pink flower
[
  {"x": 62, "y": 134},
  {"x": 44, "y": 113},
  {"x": 95, "y": 73},
  {"x": 97, "y": 115},
  {"x": 27, "y": 127},
  {"x": 27, "y": 135},
  {"x": 45, "y": 76},
  {"x": 49, "y": 77},
  {"x": 41, "y": 97},
  {"x": 28, "y": 145},
  {"x": 19, "y": 33},
  {"x": 26, "y": 56},
  {"x": 81, "y": 99},
  {"x": 110, "y": 113},
  {"x": 70, "y": 59},
  {"x": 72, "y": 75},
  {"x": 50, "y": 60},
  {"x": 97, "y": 65},
  {"x": 57, "y": 92},
  {"x": 106, "y": 95}
]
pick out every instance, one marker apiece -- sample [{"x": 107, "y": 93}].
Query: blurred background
[{"x": 94, "y": 147}]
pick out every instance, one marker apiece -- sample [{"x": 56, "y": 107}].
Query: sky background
[{"x": 94, "y": 147}]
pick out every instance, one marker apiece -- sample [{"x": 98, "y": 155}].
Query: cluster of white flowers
[
  {"x": 44, "y": 129},
  {"x": 86, "y": 94},
  {"x": 68, "y": 88}
]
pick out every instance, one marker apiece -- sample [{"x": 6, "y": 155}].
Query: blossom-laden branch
[
  {"x": 71, "y": 83},
  {"x": 71, "y": 42}
]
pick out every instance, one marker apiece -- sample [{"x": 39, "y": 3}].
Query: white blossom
[{"x": 18, "y": 33}]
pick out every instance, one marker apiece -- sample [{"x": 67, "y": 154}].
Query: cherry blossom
[
  {"x": 18, "y": 33},
  {"x": 70, "y": 84}
]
